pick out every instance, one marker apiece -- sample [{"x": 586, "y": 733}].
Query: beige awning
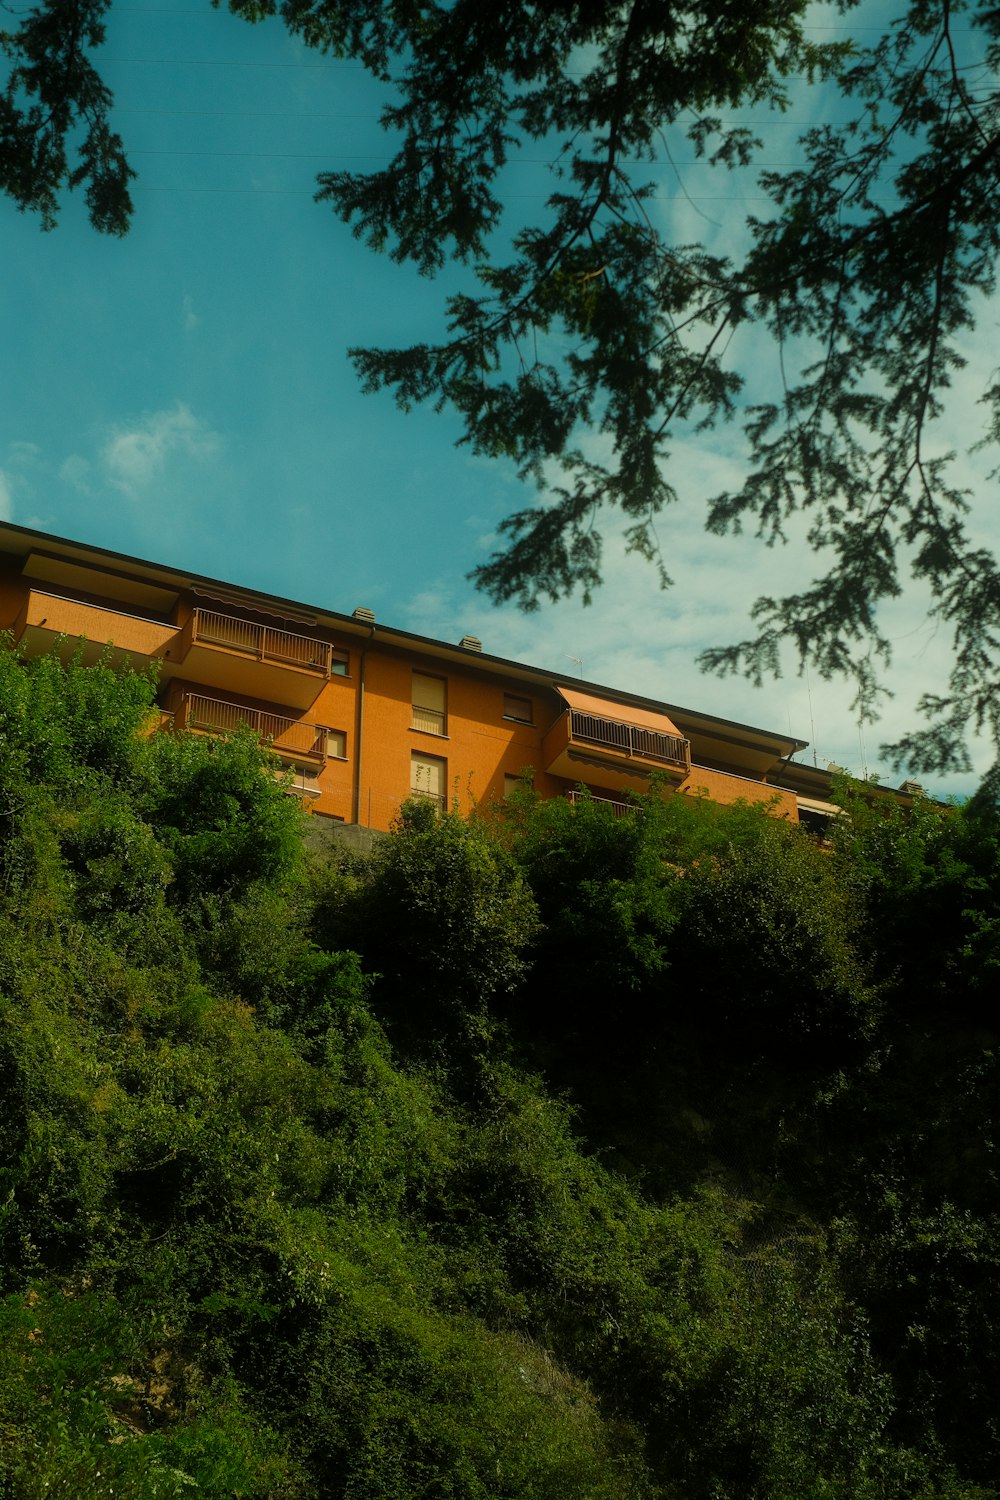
[
  {"x": 812, "y": 804},
  {"x": 623, "y": 713},
  {"x": 235, "y": 600}
]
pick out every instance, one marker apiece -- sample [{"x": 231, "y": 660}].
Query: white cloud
[
  {"x": 6, "y": 498},
  {"x": 135, "y": 456},
  {"x": 190, "y": 318},
  {"x": 426, "y": 611},
  {"x": 75, "y": 470}
]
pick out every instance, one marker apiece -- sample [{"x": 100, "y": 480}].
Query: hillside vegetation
[{"x": 540, "y": 1155}]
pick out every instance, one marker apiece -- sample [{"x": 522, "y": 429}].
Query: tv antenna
[
  {"x": 812, "y": 722},
  {"x": 578, "y": 660}
]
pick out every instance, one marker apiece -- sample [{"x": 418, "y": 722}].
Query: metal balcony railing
[
  {"x": 265, "y": 642},
  {"x": 618, "y": 809},
  {"x": 430, "y": 720},
  {"x": 439, "y": 800},
  {"x": 289, "y": 737},
  {"x": 630, "y": 739}
]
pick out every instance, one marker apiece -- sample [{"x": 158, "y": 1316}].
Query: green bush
[
  {"x": 226, "y": 822},
  {"x": 285, "y": 1212}
]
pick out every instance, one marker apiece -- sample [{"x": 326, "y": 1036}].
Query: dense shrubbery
[{"x": 306, "y": 1181}]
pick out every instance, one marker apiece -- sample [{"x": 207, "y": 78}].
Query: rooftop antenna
[
  {"x": 578, "y": 660},
  {"x": 812, "y": 722}
]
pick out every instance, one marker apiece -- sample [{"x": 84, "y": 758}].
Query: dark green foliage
[
  {"x": 606, "y": 909},
  {"x": 915, "y": 1176},
  {"x": 931, "y": 869},
  {"x": 52, "y": 96},
  {"x": 678, "y": 946},
  {"x": 118, "y": 864},
  {"x": 765, "y": 954},
  {"x": 255, "y": 1243},
  {"x": 819, "y": 1028},
  {"x": 225, "y": 824},
  {"x": 443, "y": 915}
]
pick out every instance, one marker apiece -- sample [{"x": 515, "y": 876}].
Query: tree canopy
[{"x": 592, "y": 341}]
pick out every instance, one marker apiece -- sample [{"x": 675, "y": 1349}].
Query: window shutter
[{"x": 429, "y": 703}]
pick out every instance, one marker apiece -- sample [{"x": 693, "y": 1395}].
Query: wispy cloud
[
  {"x": 6, "y": 498},
  {"x": 136, "y": 455},
  {"x": 76, "y": 471},
  {"x": 189, "y": 317}
]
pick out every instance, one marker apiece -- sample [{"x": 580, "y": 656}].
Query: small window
[
  {"x": 428, "y": 777},
  {"x": 430, "y": 711},
  {"x": 336, "y": 744},
  {"x": 339, "y": 662},
  {"x": 517, "y": 708}
]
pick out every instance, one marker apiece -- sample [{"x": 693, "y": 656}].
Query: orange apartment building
[{"x": 367, "y": 715}]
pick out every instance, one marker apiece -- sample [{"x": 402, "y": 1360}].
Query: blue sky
[{"x": 184, "y": 394}]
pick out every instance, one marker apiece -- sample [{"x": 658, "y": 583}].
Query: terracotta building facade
[{"x": 366, "y": 715}]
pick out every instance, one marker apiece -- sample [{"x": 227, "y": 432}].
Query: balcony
[
  {"x": 585, "y": 744},
  {"x": 629, "y": 739},
  {"x": 47, "y": 618},
  {"x": 724, "y": 787},
  {"x": 298, "y": 743},
  {"x": 616, "y": 809},
  {"x": 262, "y": 661}
]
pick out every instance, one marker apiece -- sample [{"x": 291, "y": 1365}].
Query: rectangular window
[
  {"x": 430, "y": 709},
  {"x": 336, "y": 744},
  {"x": 517, "y": 708},
  {"x": 339, "y": 662},
  {"x": 428, "y": 778}
]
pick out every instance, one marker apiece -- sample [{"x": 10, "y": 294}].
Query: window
[
  {"x": 429, "y": 704},
  {"x": 428, "y": 775},
  {"x": 336, "y": 744},
  {"x": 517, "y": 708},
  {"x": 339, "y": 662}
]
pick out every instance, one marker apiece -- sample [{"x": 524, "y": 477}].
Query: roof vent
[
  {"x": 471, "y": 643},
  {"x": 836, "y": 770},
  {"x": 366, "y": 616}
]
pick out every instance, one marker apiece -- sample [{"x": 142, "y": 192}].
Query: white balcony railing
[
  {"x": 265, "y": 642},
  {"x": 430, "y": 720},
  {"x": 289, "y": 737}
]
